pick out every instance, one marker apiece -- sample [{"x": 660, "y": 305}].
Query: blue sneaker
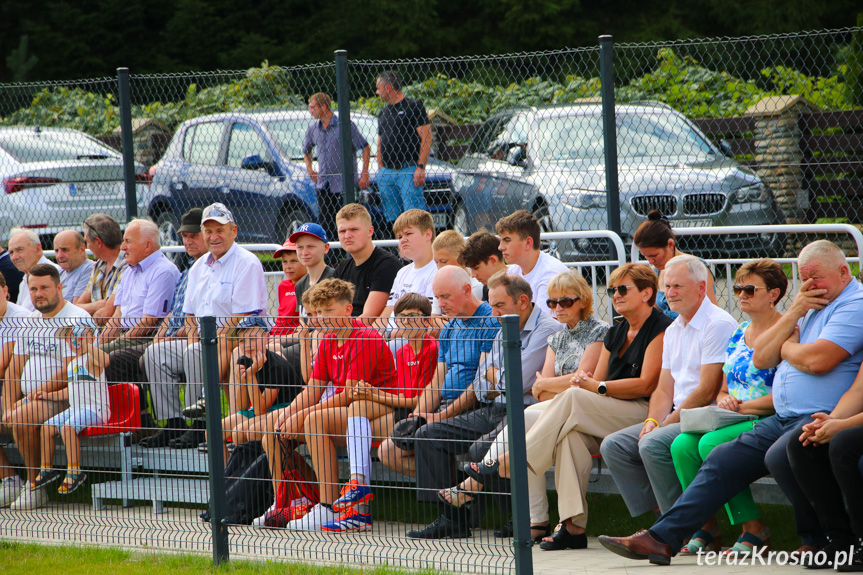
[
  {"x": 350, "y": 520},
  {"x": 353, "y": 493}
]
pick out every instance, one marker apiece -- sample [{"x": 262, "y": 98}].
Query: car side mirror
[
  {"x": 725, "y": 148},
  {"x": 515, "y": 157},
  {"x": 255, "y": 162}
]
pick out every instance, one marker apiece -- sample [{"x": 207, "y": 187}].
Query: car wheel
[
  {"x": 169, "y": 236},
  {"x": 290, "y": 221},
  {"x": 460, "y": 220}
]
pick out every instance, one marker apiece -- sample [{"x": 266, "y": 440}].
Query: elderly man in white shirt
[
  {"x": 228, "y": 284},
  {"x": 639, "y": 457},
  {"x": 25, "y": 251}
]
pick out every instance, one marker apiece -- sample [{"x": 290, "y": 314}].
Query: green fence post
[
  {"x": 125, "y": 93},
  {"x": 347, "y": 146},
  {"x": 606, "y": 76}
]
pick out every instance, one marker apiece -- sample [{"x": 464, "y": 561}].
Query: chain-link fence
[
  {"x": 727, "y": 131},
  {"x": 288, "y": 457}
]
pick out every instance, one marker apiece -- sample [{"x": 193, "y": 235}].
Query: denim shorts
[{"x": 78, "y": 417}]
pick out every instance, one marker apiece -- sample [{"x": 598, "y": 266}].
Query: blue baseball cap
[
  {"x": 310, "y": 229},
  {"x": 252, "y": 321},
  {"x": 79, "y": 324}
]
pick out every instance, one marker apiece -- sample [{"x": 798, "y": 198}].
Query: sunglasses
[
  {"x": 621, "y": 289},
  {"x": 565, "y": 303},
  {"x": 747, "y": 289}
]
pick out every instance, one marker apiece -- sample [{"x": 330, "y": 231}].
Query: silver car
[
  {"x": 53, "y": 179},
  {"x": 551, "y": 161}
]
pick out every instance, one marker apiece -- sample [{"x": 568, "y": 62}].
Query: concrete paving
[{"x": 180, "y": 530}]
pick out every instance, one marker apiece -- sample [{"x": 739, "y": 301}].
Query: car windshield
[
  {"x": 54, "y": 147},
  {"x": 289, "y": 135},
  {"x": 644, "y": 136}
]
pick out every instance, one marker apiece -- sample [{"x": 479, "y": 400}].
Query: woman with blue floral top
[{"x": 759, "y": 284}]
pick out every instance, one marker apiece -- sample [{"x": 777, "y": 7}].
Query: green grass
[{"x": 31, "y": 559}]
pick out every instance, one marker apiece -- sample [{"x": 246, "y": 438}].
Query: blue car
[{"x": 253, "y": 163}]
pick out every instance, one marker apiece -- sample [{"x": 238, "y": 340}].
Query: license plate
[
  {"x": 441, "y": 219},
  {"x": 701, "y": 223},
  {"x": 92, "y": 188}
]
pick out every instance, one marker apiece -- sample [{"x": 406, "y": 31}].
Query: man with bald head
[
  {"x": 818, "y": 348},
  {"x": 71, "y": 255},
  {"x": 25, "y": 250},
  {"x": 468, "y": 334},
  {"x": 146, "y": 289}
]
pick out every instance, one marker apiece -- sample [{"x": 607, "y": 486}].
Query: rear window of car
[{"x": 48, "y": 147}]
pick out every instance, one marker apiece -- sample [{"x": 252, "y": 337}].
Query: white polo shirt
[
  {"x": 546, "y": 268},
  {"x": 688, "y": 346},
  {"x": 233, "y": 284}
]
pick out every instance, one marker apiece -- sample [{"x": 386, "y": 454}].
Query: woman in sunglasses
[
  {"x": 577, "y": 347},
  {"x": 657, "y": 244},
  {"x": 759, "y": 284}
]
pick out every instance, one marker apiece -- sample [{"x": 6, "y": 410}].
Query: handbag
[
  {"x": 710, "y": 418},
  {"x": 404, "y": 431}
]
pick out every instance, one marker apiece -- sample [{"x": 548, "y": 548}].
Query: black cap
[{"x": 191, "y": 221}]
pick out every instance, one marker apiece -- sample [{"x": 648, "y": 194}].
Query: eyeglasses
[
  {"x": 747, "y": 289},
  {"x": 621, "y": 289},
  {"x": 565, "y": 302}
]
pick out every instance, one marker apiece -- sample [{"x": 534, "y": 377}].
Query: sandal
[
  {"x": 741, "y": 550},
  {"x": 71, "y": 482},
  {"x": 457, "y": 496},
  {"x": 483, "y": 469},
  {"x": 702, "y": 541},
  {"x": 45, "y": 477}
]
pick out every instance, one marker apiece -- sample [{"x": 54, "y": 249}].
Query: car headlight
[
  {"x": 584, "y": 200},
  {"x": 756, "y": 193}
]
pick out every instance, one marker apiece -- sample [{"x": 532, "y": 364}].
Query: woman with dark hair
[
  {"x": 759, "y": 284},
  {"x": 657, "y": 243}
]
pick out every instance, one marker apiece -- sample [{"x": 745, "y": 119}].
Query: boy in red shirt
[
  {"x": 288, "y": 319},
  {"x": 374, "y": 411},
  {"x": 348, "y": 353}
]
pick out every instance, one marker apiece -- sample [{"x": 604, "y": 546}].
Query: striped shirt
[{"x": 102, "y": 283}]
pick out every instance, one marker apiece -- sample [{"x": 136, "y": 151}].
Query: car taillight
[
  {"x": 144, "y": 177},
  {"x": 13, "y": 185}
]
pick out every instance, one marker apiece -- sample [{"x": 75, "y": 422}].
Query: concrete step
[{"x": 155, "y": 489}]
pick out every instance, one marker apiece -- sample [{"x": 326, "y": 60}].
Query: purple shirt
[
  {"x": 146, "y": 289},
  {"x": 330, "y": 152}
]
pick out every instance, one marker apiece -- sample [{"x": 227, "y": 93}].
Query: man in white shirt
[
  {"x": 639, "y": 457},
  {"x": 25, "y": 250},
  {"x": 519, "y": 243},
  {"x": 71, "y": 255},
  {"x": 228, "y": 284},
  {"x": 38, "y": 367}
]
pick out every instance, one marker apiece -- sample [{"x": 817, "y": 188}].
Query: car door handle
[{"x": 224, "y": 189}]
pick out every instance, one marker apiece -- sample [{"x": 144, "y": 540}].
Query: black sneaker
[
  {"x": 826, "y": 558},
  {"x": 197, "y": 410},
  {"x": 190, "y": 439},
  {"x": 856, "y": 564},
  {"x": 161, "y": 439},
  {"x": 441, "y": 528}
]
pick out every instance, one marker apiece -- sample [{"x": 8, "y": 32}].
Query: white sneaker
[
  {"x": 10, "y": 490},
  {"x": 259, "y": 521},
  {"x": 30, "y": 499},
  {"x": 314, "y": 519}
]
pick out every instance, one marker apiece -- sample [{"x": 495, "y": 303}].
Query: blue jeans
[
  {"x": 398, "y": 192},
  {"x": 730, "y": 468}
]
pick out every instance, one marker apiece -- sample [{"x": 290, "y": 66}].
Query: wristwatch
[
  {"x": 421, "y": 166},
  {"x": 601, "y": 389}
]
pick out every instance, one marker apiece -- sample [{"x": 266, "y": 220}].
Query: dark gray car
[{"x": 551, "y": 161}]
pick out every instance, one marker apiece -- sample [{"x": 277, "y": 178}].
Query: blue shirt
[
  {"x": 462, "y": 341},
  {"x": 745, "y": 381},
  {"x": 326, "y": 140},
  {"x": 146, "y": 289},
  {"x": 841, "y": 322},
  {"x": 178, "y": 318}
]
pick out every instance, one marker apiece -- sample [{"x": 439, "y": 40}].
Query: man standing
[
  {"x": 71, "y": 255},
  {"x": 144, "y": 294},
  {"x": 104, "y": 237},
  {"x": 228, "y": 284},
  {"x": 38, "y": 367},
  {"x": 10, "y": 273},
  {"x": 25, "y": 249},
  {"x": 404, "y": 145},
  {"x": 324, "y": 134}
]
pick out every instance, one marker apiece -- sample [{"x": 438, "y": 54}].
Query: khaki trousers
[{"x": 568, "y": 433}]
